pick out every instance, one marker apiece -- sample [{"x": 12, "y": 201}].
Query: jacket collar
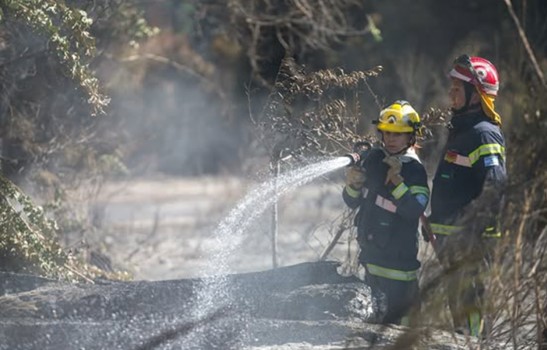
[
  {"x": 467, "y": 120},
  {"x": 409, "y": 155}
]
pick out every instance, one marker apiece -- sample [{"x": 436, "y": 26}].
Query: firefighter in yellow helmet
[{"x": 390, "y": 189}]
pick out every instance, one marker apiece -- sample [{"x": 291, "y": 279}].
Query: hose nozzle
[
  {"x": 360, "y": 152},
  {"x": 354, "y": 157}
]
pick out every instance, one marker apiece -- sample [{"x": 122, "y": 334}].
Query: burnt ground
[{"x": 161, "y": 231}]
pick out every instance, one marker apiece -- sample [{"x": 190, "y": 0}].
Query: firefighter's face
[
  {"x": 395, "y": 142},
  {"x": 456, "y": 94}
]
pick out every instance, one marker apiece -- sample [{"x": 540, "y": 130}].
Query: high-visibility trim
[
  {"x": 491, "y": 232},
  {"x": 492, "y": 235},
  {"x": 473, "y": 157},
  {"x": 488, "y": 149},
  {"x": 446, "y": 230},
  {"x": 385, "y": 204},
  {"x": 353, "y": 193},
  {"x": 419, "y": 190},
  {"x": 475, "y": 323},
  {"x": 392, "y": 274},
  {"x": 399, "y": 191}
]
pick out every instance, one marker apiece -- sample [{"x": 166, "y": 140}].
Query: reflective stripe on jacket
[
  {"x": 474, "y": 154},
  {"x": 387, "y": 220}
]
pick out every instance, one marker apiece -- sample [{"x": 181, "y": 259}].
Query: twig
[
  {"x": 275, "y": 168},
  {"x": 515, "y": 313},
  {"x": 79, "y": 274},
  {"x": 342, "y": 227},
  {"x": 525, "y": 42},
  {"x": 150, "y": 235}
]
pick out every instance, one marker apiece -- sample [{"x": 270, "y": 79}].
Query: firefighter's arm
[
  {"x": 411, "y": 194},
  {"x": 355, "y": 179},
  {"x": 489, "y": 169},
  {"x": 488, "y": 161},
  {"x": 481, "y": 215}
]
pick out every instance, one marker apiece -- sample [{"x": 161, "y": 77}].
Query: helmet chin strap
[{"x": 468, "y": 90}]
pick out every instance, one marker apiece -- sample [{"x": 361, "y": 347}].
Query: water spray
[{"x": 215, "y": 291}]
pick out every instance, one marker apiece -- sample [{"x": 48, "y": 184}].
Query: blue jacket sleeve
[
  {"x": 412, "y": 195},
  {"x": 488, "y": 161}
]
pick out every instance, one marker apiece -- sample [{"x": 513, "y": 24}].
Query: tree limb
[{"x": 525, "y": 42}]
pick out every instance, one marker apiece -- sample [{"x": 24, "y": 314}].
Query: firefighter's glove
[
  {"x": 394, "y": 170},
  {"x": 427, "y": 231},
  {"x": 355, "y": 177},
  {"x": 425, "y": 235}
]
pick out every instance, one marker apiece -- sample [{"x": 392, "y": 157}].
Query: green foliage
[
  {"x": 50, "y": 144},
  {"x": 67, "y": 30},
  {"x": 126, "y": 23},
  {"x": 28, "y": 237},
  {"x": 48, "y": 86}
]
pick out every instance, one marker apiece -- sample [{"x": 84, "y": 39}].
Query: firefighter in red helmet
[{"x": 471, "y": 170}]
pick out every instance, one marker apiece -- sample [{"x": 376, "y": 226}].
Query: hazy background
[{"x": 179, "y": 144}]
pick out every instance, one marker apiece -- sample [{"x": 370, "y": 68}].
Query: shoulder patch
[
  {"x": 422, "y": 199},
  {"x": 491, "y": 160}
]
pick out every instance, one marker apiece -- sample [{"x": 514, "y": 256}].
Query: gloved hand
[
  {"x": 427, "y": 231},
  {"x": 394, "y": 171},
  {"x": 425, "y": 235},
  {"x": 355, "y": 177}
]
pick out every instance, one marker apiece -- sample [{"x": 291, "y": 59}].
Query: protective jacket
[
  {"x": 474, "y": 157},
  {"x": 387, "y": 220}
]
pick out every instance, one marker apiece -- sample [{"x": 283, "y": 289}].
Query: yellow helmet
[{"x": 399, "y": 117}]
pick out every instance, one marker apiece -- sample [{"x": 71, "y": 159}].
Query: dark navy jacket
[
  {"x": 387, "y": 221},
  {"x": 474, "y": 157}
]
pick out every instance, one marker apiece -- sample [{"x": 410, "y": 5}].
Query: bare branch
[{"x": 526, "y": 44}]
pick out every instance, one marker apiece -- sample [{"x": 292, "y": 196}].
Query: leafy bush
[
  {"x": 50, "y": 140},
  {"x": 28, "y": 241}
]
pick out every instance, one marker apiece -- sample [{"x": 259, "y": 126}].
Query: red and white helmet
[{"x": 477, "y": 71}]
